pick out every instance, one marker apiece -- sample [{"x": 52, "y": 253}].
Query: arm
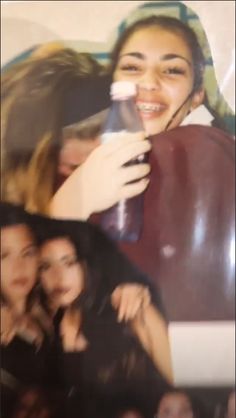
[{"x": 151, "y": 329}]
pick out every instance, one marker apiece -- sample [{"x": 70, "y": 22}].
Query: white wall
[{"x": 203, "y": 353}]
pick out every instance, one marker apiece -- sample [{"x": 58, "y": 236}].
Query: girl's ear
[{"x": 198, "y": 98}]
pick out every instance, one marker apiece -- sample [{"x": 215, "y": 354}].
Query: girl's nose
[
  {"x": 58, "y": 275},
  {"x": 150, "y": 81},
  {"x": 18, "y": 265}
]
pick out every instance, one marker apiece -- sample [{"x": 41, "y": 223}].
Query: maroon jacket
[{"x": 187, "y": 242}]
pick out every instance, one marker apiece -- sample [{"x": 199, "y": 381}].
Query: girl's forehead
[
  {"x": 179, "y": 398},
  {"x": 58, "y": 243},
  {"x": 155, "y": 31},
  {"x": 131, "y": 414},
  {"x": 17, "y": 231},
  {"x": 157, "y": 38}
]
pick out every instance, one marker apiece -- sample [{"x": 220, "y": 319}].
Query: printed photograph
[{"x": 117, "y": 210}]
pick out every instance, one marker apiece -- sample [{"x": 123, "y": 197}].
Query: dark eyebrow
[
  {"x": 133, "y": 54},
  {"x": 165, "y": 57}
]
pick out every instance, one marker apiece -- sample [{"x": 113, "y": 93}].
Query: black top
[
  {"x": 24, "y": 361},
  {"x": 114, "y": 367},
  {"x": 22, "y": 366}
]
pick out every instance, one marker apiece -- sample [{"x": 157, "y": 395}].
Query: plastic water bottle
[{"x": 124, "y": 220}]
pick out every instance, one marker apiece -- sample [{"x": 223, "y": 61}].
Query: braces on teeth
[{"x": 149, "y": 107}]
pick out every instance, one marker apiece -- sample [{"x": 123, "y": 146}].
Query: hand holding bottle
[
  {"x": 101, "y": 181},
  {"x": 124, "y": 220}
]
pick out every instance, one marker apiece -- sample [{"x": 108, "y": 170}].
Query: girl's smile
[
  {"x": 160, "y": 63},
  {"x": 149, "y": 109}
]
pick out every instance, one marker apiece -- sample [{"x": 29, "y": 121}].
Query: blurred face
[
  {"x": 160, "y": 63},
  {"x": 73, "y": 153},
  {"x": 62, "y": 276},
  {"x": 175, "y": 405},
  {"x": 19, "y": 262},
  {"x": 231, "y": 406},
  {"x": 132, "y": 413},
  {"x": 32, "y": 401}
]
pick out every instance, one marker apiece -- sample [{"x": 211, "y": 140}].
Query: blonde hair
[
  {"x": 32, "y": 103},
  {"x": 88, "y": 128}
]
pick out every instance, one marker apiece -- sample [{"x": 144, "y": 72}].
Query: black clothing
[
  {"x": 24, "y": 361},
  {"x": 23, "y": 366},
  {"x": 114, "y": 367}
]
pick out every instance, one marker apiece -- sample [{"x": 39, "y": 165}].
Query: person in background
[
  {"x": 177, "y": 404},
  {"x": 102, "y": 353},
  {"x": 25, "y": 327},
  {"x": 128, "y": 407},
  {"x": 129, "y": 413},
  {"x": 231, "y": 405},
  {"x": 39, "y": 97},
  {"x": 32, "y": 403}
]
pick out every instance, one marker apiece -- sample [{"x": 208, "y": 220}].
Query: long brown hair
[{"x": 32, "y": 95}]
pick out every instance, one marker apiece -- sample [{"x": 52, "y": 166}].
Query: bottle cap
[{"x": 123, "y": 89}]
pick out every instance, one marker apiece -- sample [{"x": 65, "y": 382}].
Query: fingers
[
  {"x": 120, "y": 301},
  {"x": 134, "y": 189},
  {"x": 134, "y": 172},
  {"x": 134, "y": 309},
  {"x": 119, "y": 141},
  {"x": 100, "y": 180},
  {"x": 131, "y": 309},
  {"x": 130, "y": 151},
  {"x": 123, "y": 310},
  {"x": 129, "y": 299},
  {"x": 115, "y": 297},
  {"x": 146, "y": 298}
]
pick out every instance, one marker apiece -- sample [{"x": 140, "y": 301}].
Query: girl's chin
[
  {"x": 153, "y": 129},
  {"x": 155, "y": 125},
  {"x": 65, "y": 303},
  {"x": 20, "y": 294}
]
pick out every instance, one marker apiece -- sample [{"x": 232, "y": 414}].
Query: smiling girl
[{"x": 162, "y": 56}]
